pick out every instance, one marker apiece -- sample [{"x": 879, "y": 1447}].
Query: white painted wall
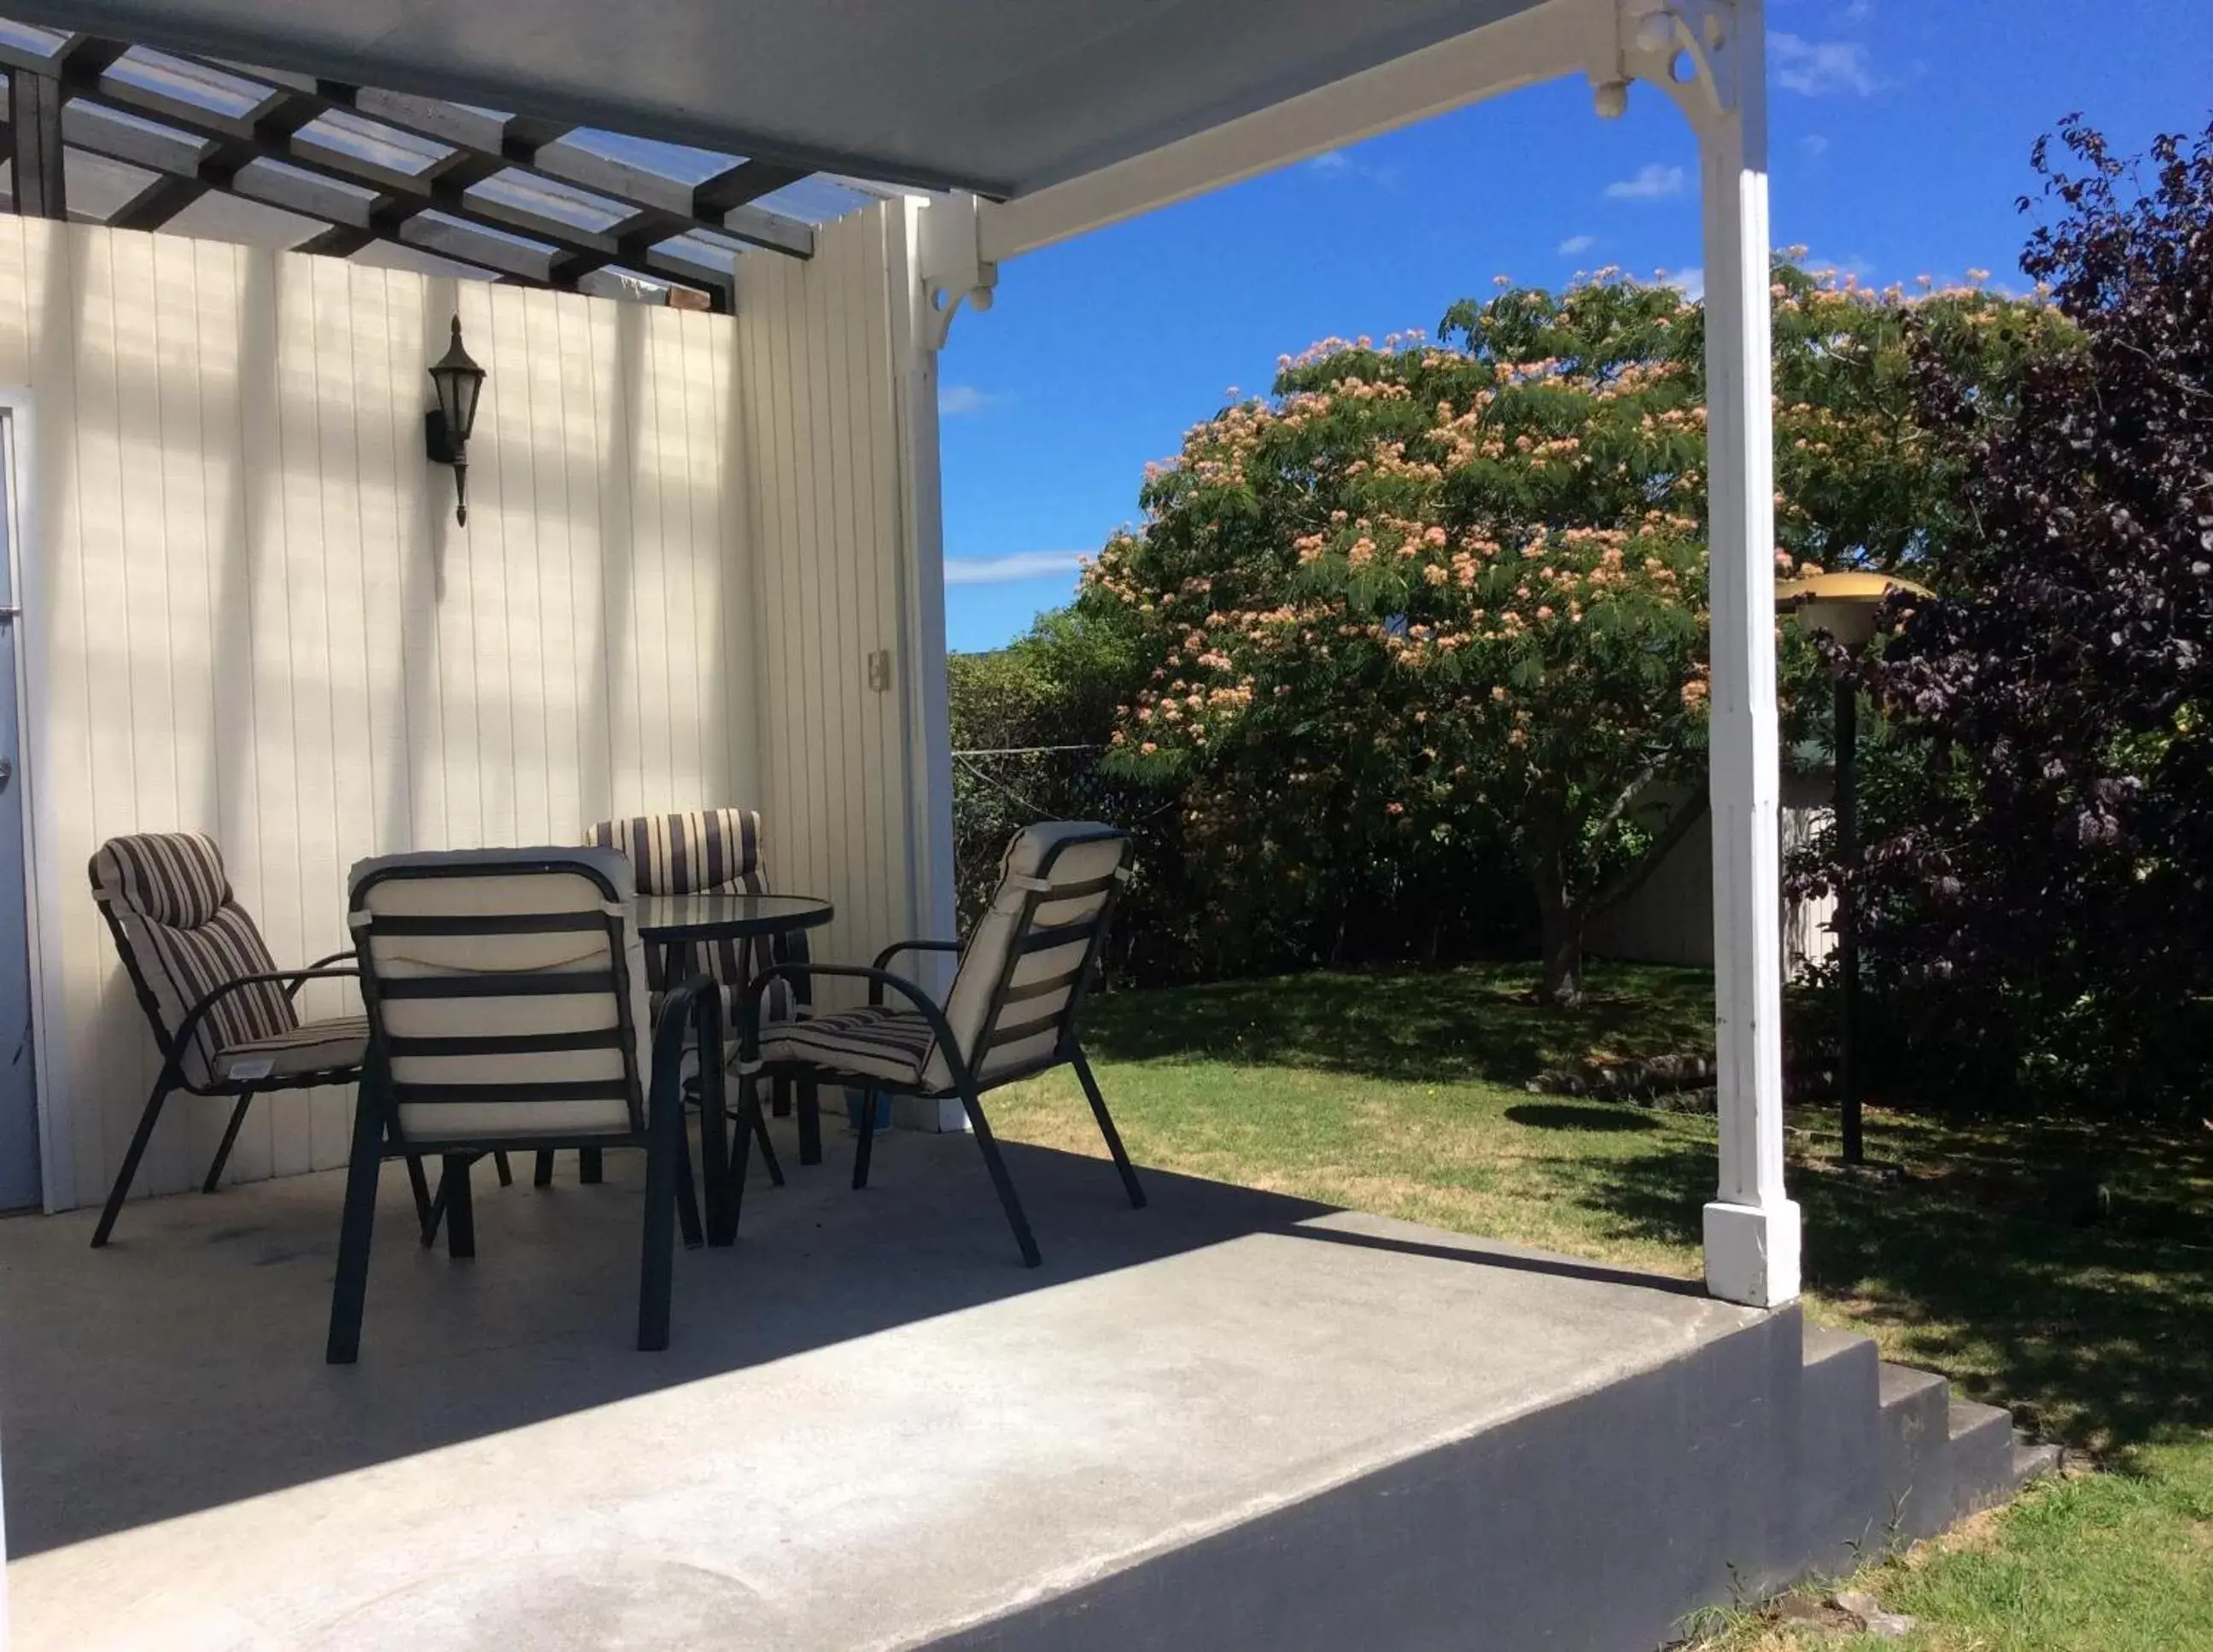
[{"x": 249, "y": 610}]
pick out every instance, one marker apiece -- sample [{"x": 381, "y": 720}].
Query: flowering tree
[{"x": 1456, "y": 593}]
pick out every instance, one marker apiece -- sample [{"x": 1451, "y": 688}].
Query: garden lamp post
[{"x": 1844, "y": 605}]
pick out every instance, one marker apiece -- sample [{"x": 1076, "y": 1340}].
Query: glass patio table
[{"x": 666, "y": 920}]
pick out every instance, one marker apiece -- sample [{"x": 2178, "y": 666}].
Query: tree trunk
[{"x": 1562, "y": 920}]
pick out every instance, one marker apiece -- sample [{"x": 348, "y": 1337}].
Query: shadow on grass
[
  {"x": 1474, "y": 1023},
  {"x": 2100, "y": 1335},
  {"x": 1569, "y": 1115}
]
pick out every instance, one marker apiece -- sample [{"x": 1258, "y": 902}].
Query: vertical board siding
[
  {"x": 814, "y": 378},
  {"x": 255, "y": 616},
  {"x": 1670, "y": 917}
]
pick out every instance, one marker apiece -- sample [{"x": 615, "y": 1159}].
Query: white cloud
[
  {"x": 1814, "y": 144},
  {"x": 1655, "y": 182},
  {"x": 1857, "y": 11},
  {"x": 958, "y": 401},
  {"x": 1817, "y": 68},
  {"x": 1691, "y": 283},
  {"x": 1337, "y": 167},
  {"x": 1575, "y": 244},
  {"x": 1021, "y": 564}
]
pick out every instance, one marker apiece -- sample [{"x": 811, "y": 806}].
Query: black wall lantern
[{"x": 458, "y": 382}]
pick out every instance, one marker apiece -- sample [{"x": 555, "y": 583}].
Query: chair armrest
[
  {"x": 885, "y": 957},
  {"x": 198, "y": 1013},
  {"x": 679, "y": 1004},
  {"x": 749, "y": 1011},
  {"x": 293, "y": 991}
]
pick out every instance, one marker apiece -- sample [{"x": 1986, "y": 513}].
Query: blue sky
[{"x": 1901, "y": 131}]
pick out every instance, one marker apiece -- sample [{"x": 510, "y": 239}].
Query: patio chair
[
  {"x": 1011, "y": 1011},
  {"x": 224, "y": 1016},
  {"x": 716, "y": 851},
  {"x": 506, "y": 995}
]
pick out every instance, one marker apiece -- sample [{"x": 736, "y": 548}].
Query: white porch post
[
  {"x": 936, "y": 268},
  {"x": 1752, "y": 1227}
]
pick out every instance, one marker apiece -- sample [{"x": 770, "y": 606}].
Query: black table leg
[{"x": 714, "y": 1122}]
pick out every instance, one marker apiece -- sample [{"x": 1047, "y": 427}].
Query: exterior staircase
[{"x": 1892, "y": 1455}]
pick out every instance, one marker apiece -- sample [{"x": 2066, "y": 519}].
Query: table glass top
[{"x": 730, "y": 914}]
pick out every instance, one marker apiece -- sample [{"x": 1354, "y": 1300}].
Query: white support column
[
  {"x": 1710, "y": 56},
  {"x": 930, "y": 283},
  {"x": 1752, "y": 1227}
]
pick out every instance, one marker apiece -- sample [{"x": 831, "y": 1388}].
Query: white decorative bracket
[
  {"x": 1685, "y": 47},
  {"x": 954, "y": 267}
]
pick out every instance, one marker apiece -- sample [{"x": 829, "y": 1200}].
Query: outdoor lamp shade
[
  {"x": 1843, "y": 605},
  {"x": 458, "y": 382}
]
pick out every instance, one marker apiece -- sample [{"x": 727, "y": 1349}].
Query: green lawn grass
[{"x": 2063, "y": 1270}]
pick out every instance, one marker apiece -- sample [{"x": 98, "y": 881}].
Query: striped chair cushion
[
  {"x": 184, "y": 935},
  {"x": 338, "y": 1045},
  {"x": 716, "y": 849},
  {"x": 866, "y": 1043},
  {"x": 704, "y": 851},
  {"x": 1042, "y": 985},
  {"x": 590, "y": 1038}
]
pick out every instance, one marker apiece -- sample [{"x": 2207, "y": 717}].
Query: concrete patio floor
[{"x": 875, "y": 1428}]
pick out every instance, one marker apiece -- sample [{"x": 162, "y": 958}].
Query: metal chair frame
[
  {"x": 172, "y": 1077},
  {"x": 656, "y": 1111},
  {"x": 965, "y": 1083}
]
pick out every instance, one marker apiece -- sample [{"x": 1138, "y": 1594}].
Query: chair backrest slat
[
  {"x": 506, "y": 993},
  {"x": 1023, "y": 973}
]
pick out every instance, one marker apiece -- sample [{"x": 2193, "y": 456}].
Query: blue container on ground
[{"x": 853, "y": 1100}]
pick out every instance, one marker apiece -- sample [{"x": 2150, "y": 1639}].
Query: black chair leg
[
  {"x": 1008, "y": 1201},
  {"x": 420, "y": 1186},
  {"x": 350, "y": 1288},
  {"x": 541, "y": 1174},
  {"x": 1129, "y": 1182},
  {"x": 230, "y": 1136},
  {"x": 589, "y": 1168},
  {"x": 459, "y": 1207},
  {"x": 865, "y": 1150},
  {"x": 664, "y": 1149},
  {"x": 810, "y": 1121},
  {"x": 780, "y": 1098},
  {"x": 749, "y": 1104},
  {"x": 688, "y": 1195},
  {"x": 752, "y": 1130},
  {"x": 137, "y": 1151},
  {"x": 775, "y": 1166},
  {"x": 506, "y": 1170}
]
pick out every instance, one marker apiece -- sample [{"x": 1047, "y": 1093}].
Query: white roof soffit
[{"x": 1008, "y": 98}]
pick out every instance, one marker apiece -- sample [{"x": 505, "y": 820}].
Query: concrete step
[
  {"x": 1845, "y": 1510},
  {"x": 1916, "y": 1446},
  {"x": 1981, "y": 1449},
  {"x": 2033, "y": 1462}
]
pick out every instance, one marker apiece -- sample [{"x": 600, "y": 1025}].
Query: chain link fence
[{"x": 999, "y": 791}]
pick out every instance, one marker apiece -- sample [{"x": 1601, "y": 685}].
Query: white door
[{"x": 19, "y": 1092}]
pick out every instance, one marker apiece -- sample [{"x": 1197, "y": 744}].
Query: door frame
[{"x": 42, "y": 915}]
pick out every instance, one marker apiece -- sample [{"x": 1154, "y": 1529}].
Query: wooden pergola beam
[
  {"x": 349, "y": 211},
  {"x": 36, "y": 94},
  {"x": 225, "y": 149},
  {"x": 720, "y": 204}
]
